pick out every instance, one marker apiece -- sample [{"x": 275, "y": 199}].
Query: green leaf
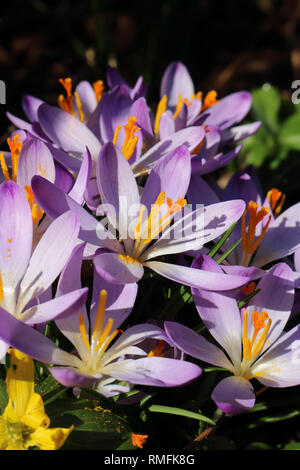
[
  {"x": 289, "y": 134},
  {"x": 3, "y": 396},
  {"x": 180, "y": 412},
  {"x": 292, "y": 446},
  {"x": 221, "y": 242},
  {"x": 47, "y": 387},
  {"x": 266, "y": 105},
  {"x": 96, "y": 427}
]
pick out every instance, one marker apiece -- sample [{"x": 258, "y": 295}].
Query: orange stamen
[
  {"x": 249, "y": 288},
  {"x": 83, "y": 331},
  {"x": 36, "y": 212},
  {"x": 158, "y": 350},
  {"x": 66, "y": 103},
  {"x": 251, "y": 351}
]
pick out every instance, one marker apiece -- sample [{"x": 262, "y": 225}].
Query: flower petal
[
  {"x": 234, "y": 395},
  {"x": 118, "y": 268}
]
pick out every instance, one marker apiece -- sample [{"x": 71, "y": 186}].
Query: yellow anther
[
  {"x": 83, "y": 331},
  {"x": 250, "y": 349},
  {"x": 128, "y": 259},
  {"x": 158, "y": 350},
  {"x": 276, "y": 199},
  {"x": 79, "y": 107},
  {"x": 36, "y": 211},
  {"x": 153, "y": 227},
  {"x": 178, "y": 107},
  {"x": 256, "y": 215},
  {"x": 99, "y": 321},
  {"x": 162, "y": 106},
  {"x": 98, "y": 89}
]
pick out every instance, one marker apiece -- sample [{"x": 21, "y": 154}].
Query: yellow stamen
[
  {"x": 128, "y": 259},
  {"x": 4, "y": 167},
  {"x": 116, "y": 135},
  {"x": 250, "y": 349},
  {"x": 105, "y": 333},
  {"x": 276, "y": 199},
  {"x": 79, "y": 107},
  {"x": 99, "y": 322},
  {"x": 138, "y": 440},
  {"x": 130, "y": 141},
  {"x": 162, "y": 106},
  {"x": 158, "y": 350},
  {"x": 178, "y": 107},
  {"x": 98, "y": 89},
  {"x": 249, "y": 244},
  {"x": 36, "y": 212},
  {"x": 210, "y": 100},
  {"x": 153, "y": 227},
  {"x": 83, "y": 331}
]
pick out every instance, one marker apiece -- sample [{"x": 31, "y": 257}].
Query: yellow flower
[{"x": 24, "y": 423}]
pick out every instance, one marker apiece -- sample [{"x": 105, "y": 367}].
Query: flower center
[
  {"x": 15, "y": 146},
  {"x": 253, "y": 346},
  {"x": 249, "y": 242},
  {"x": 156, "y": 222},
  {"x": 101, "y": 336},
  {"x": 15, "y": 435},
  {"x": 130, "y": 140}
]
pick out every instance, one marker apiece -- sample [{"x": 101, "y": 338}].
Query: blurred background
[{"x": 227, "y": 46}]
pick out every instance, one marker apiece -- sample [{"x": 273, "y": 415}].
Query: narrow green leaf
[
  {"x": 180, "y": 412},
  {"x": 221, "y": 242},
  {"x": 227, "y": 253}
]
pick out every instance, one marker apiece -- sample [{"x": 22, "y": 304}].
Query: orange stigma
[
  {"x": 249, "y": 243},
  {"x": 15, "y": 146},
  {"x": 66, "y": 103},
  {"x": 250, "y": 349},
  {"x": 276, "y": 199},
  {"x": 158, "y": 350},
  {"x": 130, "y": 140},
  {"x": 138, "y": 440},
  {"x": 98, "y": 89},
  {"x": 249, "y": 288},
  {"x": 209, "y": 100}
]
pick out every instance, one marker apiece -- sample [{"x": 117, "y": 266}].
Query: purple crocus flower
[
  {"x": 253, "y": 342},
  {"x": 123, "y": 260},
  {"x": 268, "y": 234},
  {"x": 99, "y": 361},
  {"x": 25, "y": 275}
]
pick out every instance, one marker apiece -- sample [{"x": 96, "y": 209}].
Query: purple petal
[
  {"x": 117, "y": 269},
  {"x": 238, "y": 133},
  {"x": 199, "y": 191},
  {"x": 234, "y": 395},
  {"x": 155, "y": 371},
  {"x": 195, "y": 345},
  {"x": 87, "y": 98},
  {"x": 216, "y": 162},
  {"x": 191, "y": 137},
  {"x": 83, "y": 177},
  {"x": 35, "y": 159},
  {"x": 71, "y": 378},
  {"x": 140, "y": 110},
  {"x": 67, "y": 131},
  {"x": 115, "y": 111},
  {"x": 230, "y": 110},
  {"x": 30, "y": 105},
  {"x": 176, "y": 81}
]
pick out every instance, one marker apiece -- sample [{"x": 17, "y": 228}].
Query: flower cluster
[{"x": 103, "y": 181}]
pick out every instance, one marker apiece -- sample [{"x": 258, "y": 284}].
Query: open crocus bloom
[
  {"x": 268, "y": 233},
  {"x": 143, "y": 237},
  {"x": 101, "y": 358},
  {"x": 254, "y": 344},
  {"x": 25, "y": 276},
  {"x": 24, "y": 423}
]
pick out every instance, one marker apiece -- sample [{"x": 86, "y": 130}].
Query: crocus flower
[
  {"x": 268, "y": 232},
  {"x": 25, "y": 276},
  {"x": 100, "y": 359},
  {"x": 253, "y": 343},
  {"x": 144, "y": 238},
  {"x": 24, "y": 423}
]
